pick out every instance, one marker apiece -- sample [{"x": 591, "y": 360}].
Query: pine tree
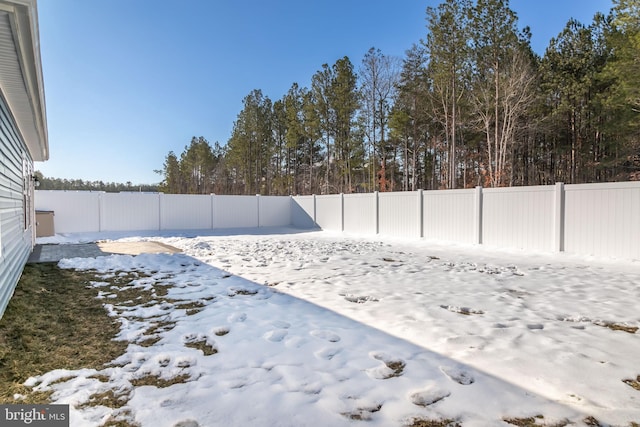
[
  {"x": 172, "y": 181},
  {"x": 344, "y": 101},
  {"x": 447, "y": 48}
]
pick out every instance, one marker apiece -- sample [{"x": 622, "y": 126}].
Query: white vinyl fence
[
  {"x": 86, "y": 211},
  {"x": 589, "y": 219}
]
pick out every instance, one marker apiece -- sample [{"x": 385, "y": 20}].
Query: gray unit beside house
[{"x": 23, "y": 137}]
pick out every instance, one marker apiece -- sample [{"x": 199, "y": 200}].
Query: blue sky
[{"x": 127, "y": 81}]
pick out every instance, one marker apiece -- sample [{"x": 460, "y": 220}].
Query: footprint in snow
[
  {"x": 363, "y": 413},
  {"x": 295, "y": 342},
  {"x": 534, "y": 326},
  {"x": 187, "y": 423},
  {"x": 275, "y": 336},
  {"x": 185, "y": 362},
  {"x": 325, "y": 335},
  {"x": 429, "y": 396},
  {"x": 327, "y": 353},
  {"x": 458, "y": 375},
  {"x": 391, "y": 367},
  {"x": 461, "y": 310},
  {"x": 237, "y": 317},
  {"x": 359, "y": 299},
  {"x": 220, "y": 331},
  {"x": 281, "y": 324}
]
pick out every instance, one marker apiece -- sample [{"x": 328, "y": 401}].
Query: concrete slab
[
  {"x": 56, "y": 252},
  {"x": 136, "y": 248}
]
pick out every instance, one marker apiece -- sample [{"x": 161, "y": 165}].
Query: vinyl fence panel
[
  {"x": 360, "y": 213},
  {"x": 74, "y": 211},
  {"x": 603, "y": 219},
  {"x": 329, "y": 212},
  {"x": 275, "y": 211},
  {"x": 449, "y": 215},
  {"x": 519, "y": 217},
  {"x": 235, "y": 211},
  {"x": 185, "y": 212},
  {"x": 303, "y": 211},
  {"x": 399, "y": 214},
  {"x": 130, "y": 211}
]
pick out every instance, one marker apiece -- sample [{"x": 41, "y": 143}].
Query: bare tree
[
  {"x": 447, "y": 47},
  {"x": 379, "y": 75},
  {"x": 500, "y": 104}
]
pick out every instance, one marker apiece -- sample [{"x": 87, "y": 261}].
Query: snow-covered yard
[{"x": 321, "y": 329}]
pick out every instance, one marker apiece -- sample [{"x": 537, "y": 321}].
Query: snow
[{"x": 320, "y": 328}]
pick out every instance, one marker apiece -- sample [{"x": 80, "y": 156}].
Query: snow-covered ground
[{"x": 322, "y": 329}]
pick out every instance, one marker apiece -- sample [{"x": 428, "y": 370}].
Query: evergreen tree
[
  {"x": 448, "y": 68},
  {"x": 408, "y": 121},
  {"x": 321, "y": 87},
  {"x": 344, "y": 101},
  {"x": 251, "y": 145},
  {"x": 172, "y": 178}
]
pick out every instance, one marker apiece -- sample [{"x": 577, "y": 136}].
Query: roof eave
[{"x": 32, "y": 125}]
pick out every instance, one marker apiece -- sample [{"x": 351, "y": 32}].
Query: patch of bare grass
[
  {"x": 120, "y": 418},
  {"x": 109, "y": 398},
  {"x": 362, "y": 414},
  {"x": 149, "y": 341},
  {"x": 101, "y": 378},
  {"x": 191, "y": 307},
  {"x": 619, "y": 327},
  {"x": 592, "y": 422},
  {"x": 462, "y": 310},
  {"x": 633, "y": 383},
  {"x": 220, "y": 332},
  {"x": 536, "y": 421},
  {"x": 397, "y": 366},
  {"x": 53, "y": 321},
  {"x": 203, "y": 346},
  {"x": 157, "y": 381},
  {"x": 160, "y": 326},
  {"x": 243, "y": 292},
  {"x": 422, "y": 422}
]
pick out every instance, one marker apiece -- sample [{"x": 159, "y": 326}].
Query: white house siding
[
  {"x": 23, "y": 136},
  {"x": 16, "y": 241}
]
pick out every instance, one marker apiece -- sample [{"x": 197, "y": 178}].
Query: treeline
[
  {"x": 470, "y": 104},
  {"x": 80, "y": 185}
]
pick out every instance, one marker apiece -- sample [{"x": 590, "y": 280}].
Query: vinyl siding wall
[{"x": 16, "y": 231}]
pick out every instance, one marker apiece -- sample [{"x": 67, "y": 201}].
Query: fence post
[
  {"x": 342, "y": 212},
  {"x": 558, "y": 218},
  {"x": 477, "y": 229},
  {"x": 315, "y": 223},
  {"x": 213, "y": 223},
  {"x": 161, "y": 204},
  {"x": 258, "y": 209},
  {"x": 377, "y": 211},
  {"x": 290, "y": 210},
  {"x": 420, "y": 214},
  {"x": 100, "y": 212}
]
